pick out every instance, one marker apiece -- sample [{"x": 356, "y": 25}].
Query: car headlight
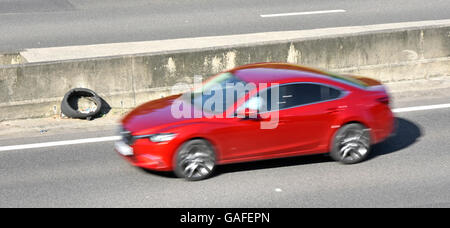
[{"x": 164, "y": 137}]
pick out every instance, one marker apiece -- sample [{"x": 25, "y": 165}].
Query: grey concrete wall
[
  {"x": 34, "y": 89},
  {"x": 11, "y": 58}
]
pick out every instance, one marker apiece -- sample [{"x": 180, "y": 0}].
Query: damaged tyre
[{"x": 81, "y": 103}]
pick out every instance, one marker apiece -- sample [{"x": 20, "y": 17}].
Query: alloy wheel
[
  {"x": 354, "y": 144},
  {"x": 195, "y": 161},
  {"x": 351, "y": 144}
]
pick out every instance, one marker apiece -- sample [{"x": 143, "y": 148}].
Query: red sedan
[{"x": 255, "y": 112}]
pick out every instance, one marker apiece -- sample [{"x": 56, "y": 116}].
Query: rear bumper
[
  {"x": 388, "y": 130},
  {"x": 394, "y": 129}
]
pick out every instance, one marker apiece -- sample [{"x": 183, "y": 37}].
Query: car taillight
[{"x": 383, "y": 100}]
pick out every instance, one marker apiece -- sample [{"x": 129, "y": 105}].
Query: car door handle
[
  {"x": 332, "y": 110},
  {"x": 336, "y": 109}
]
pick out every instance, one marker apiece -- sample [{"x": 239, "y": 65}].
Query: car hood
[{"x": 154, "y": 115}]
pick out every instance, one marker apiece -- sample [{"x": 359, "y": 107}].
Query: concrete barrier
[
  {"x": 128, "y": 74},
  {"x": 11, "y": 59}
]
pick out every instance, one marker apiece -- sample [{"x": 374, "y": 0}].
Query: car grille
[{"x": 127, "y": 137}]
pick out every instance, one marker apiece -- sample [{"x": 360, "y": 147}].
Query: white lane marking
[
  {"x": 60, "y": 143},
  {"x": 421, "y": 108},
  {"x": 303, "y": 13},
  {"x": 115, "y": 138}
]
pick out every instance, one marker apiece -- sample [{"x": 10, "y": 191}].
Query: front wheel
[
  {"x": 351, "y": 144},
  {"x": 195, "y": 160}
]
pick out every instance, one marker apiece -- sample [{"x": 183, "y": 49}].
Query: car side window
[
  {"x": 261, "y": 102},
  {"x": 292, "y": 95},
  {"x": 328, "y": 93}
]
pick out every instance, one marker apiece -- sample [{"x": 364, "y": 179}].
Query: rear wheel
[
  {"x": 351, "y": 144},
  {"x": 195, "y": 160}
]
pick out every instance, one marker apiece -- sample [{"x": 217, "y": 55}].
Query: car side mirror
[{"x": 248, "y": 113}]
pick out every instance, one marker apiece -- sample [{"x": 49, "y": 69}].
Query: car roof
[{"x": 285, "y": 72}]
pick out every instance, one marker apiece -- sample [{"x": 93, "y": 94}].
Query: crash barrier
[
  {"x": 128, "y": 74},
  {"x": 11, "y": 58}
]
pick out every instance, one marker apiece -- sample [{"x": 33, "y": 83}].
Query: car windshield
[{"x": 219, "y": 93}]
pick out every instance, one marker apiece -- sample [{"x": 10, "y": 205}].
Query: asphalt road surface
[
  {"x": 409, "y": 170},
  {"x": 48, "y": 23}
]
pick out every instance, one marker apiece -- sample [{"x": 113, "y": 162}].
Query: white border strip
[
  {"x": 60, "y": 143},
  {"x": 116, "y": 138},
  {"x": 303, "y": 13},
  {"x": 420, "y": 108}
]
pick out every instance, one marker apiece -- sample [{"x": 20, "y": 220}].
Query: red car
[{"x": 288, "y": 110}]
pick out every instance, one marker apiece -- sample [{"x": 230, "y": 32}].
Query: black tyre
[
  {"x": 195, "y": 160},
  {"x": 69, "y": 104},
  {"x": 351, "y": 144}
]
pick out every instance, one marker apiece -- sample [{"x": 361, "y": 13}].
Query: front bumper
[
  {"x": 148, "y": 155},
  {"x": 147, "y": 162}
]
